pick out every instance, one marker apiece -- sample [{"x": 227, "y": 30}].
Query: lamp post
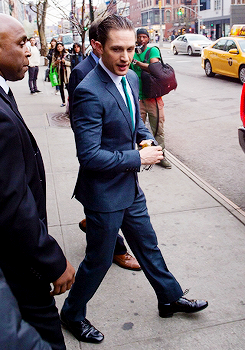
[{"x": 160, "y": 23}]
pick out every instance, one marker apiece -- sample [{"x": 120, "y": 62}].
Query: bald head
[{"x": 13, "y": 51}]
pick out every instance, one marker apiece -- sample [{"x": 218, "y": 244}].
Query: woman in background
[
  {"x": 63, "y": 66},
  {"x": 76, "y": 55},
  {"x": 49, "y": 57}
]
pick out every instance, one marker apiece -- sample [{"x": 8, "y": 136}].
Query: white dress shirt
[
  {"x": 117, "y": 81},
  {"x": 4, "y": 85}
]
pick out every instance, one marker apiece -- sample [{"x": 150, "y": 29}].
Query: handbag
[
  {"x": 53, "y": 76},
  {"x": 161, "y": 79}
]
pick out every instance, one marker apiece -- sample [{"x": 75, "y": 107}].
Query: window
[
  {"x": 144, "y": 19},
  {"x": 168, "y": 16},
  {"x": 242, "y": 44},
  {"x": 220, "y": 45},
  {"x": 230, "y": 45},
  {"x": 205, "y": 5},
  {"x": 217, "y": 5}
]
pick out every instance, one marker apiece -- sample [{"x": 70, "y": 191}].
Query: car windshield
[
  {"x": 67, "y": 39},
  {"x": 197, "y": 37},
  {"x": 242, "y": 44}
]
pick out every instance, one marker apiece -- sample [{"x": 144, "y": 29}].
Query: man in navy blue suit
[
  {"x": 107, "y": 127},
  {"x": 121, "y": 257}
]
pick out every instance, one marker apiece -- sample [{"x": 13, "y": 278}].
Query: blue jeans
[{"x": 33, "y": 73}]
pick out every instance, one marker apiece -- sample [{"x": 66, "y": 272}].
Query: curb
[{"x": 219, "y": 197}]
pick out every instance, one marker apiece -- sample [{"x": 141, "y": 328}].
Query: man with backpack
[{"x": 151, "y": 106}]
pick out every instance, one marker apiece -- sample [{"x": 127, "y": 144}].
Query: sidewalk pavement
[{"x": 201, "y": 236}]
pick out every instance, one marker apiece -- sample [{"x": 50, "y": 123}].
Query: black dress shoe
[
  {"x": 83, "y": 330},
  {"x": 181, "y": 305}
]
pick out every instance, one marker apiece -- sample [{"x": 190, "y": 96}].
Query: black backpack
[{"x": 161, "y": 79}]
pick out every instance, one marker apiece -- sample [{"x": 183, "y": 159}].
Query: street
[{"x": 202, "y": 118}]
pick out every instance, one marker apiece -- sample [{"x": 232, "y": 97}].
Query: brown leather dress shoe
[
  {"x": 82, "y": 225},
  {"x": 127, "y": 261}
]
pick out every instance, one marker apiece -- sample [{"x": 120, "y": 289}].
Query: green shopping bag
[{"x": 53, "y": 76}]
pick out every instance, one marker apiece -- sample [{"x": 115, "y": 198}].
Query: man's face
[
  {"x": 32, "y": 41},
  {"x": 142, "y": 39},
  {"x": 13, "y": 52},
  {"x": 118, "y": 52}
]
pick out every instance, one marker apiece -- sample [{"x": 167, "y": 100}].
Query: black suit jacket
[
  {"x": 77, "y": 75},
  {"x": 27, "y": 252}
]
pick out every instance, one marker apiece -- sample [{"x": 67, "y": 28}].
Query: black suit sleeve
[
  {"x": 15, "y": 332},
  {"x": 23, "y": 229}
]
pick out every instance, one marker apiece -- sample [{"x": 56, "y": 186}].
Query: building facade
[
  {"x": 212, "y": 18},
  {"x": 178, "y": 16},
  {"x": 5, "y": 7}
]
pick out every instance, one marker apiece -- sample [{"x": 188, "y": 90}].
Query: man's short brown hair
[{"x": 113, "y": 22}]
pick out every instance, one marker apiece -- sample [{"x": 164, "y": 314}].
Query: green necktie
[{"x": 129, "y": 104}]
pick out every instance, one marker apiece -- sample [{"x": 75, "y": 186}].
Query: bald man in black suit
[{"x": 30, "y": 259}]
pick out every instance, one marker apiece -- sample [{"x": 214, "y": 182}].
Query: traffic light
[{"x": 180, "y": 11}]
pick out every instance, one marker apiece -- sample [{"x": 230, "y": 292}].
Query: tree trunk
[{"x": 41, "y": 19}]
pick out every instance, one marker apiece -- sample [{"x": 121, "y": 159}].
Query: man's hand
[
  {"x": 151, "y": 155},
  {"x": 65, "y": 281}
]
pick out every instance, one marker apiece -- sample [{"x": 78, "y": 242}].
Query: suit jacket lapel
[
  {"x": 12, "y": 103},
  {"x": 14, "y": 108},
  {"x": 111, "y": 87}
]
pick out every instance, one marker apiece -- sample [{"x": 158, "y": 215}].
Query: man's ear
[{"x": 98, "y": 46}]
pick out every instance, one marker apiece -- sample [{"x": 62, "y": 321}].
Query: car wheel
[
  {"x": 189, "y": 51},
  {"x": 208, "y": 69},
  {"x": 242, "y": 74},
  {"x": 175, "y": 51}
]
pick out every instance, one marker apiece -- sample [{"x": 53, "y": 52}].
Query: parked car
[
  {"x": 241, "y": 130},
  {"x": 226, "y": 56},
  {"x": 190, "y": 43}
]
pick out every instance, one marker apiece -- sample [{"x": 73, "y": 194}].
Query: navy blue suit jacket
[
  {"x": 27, "y": 252},
  {"x": 109, "y": 162},
  {"x": 77, "y": 75}
]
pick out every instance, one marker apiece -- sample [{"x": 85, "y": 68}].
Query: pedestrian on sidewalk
[
  {"x": 107, "y": 127},
  {"x": 76, "y": 55},
  {"x": 121, "y": 256},
  {"x": 49, "y": 57},
  {"x": 30, "y": 258},
  {"x": 62, "y": 63},
  {"x": 33, "y": 68},
  {"x": 153, "y": 107}
]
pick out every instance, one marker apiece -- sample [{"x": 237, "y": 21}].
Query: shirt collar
[
  {"x": 96, "y": 58},
  {"x": 115, "y": 78},
  {"x": 4, "y": 85}
]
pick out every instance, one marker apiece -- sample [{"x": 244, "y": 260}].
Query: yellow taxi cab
[{"x": 226, "y": 56}]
